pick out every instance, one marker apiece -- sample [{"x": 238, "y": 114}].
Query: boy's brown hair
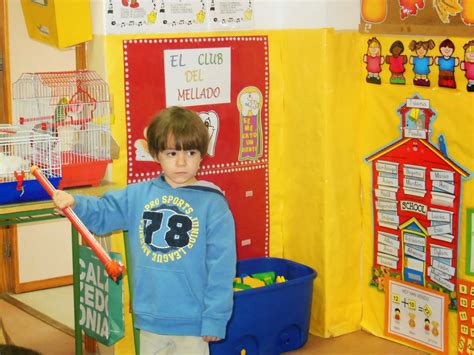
[{"x": 180, "y": 126}]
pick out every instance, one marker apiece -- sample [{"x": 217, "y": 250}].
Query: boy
[
  {"x": 182, "y": 240},
  {"x": 447, "y": 64}
]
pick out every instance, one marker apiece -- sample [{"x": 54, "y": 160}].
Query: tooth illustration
[{"x": 211, "y": 120}]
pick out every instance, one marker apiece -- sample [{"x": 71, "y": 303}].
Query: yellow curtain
[{"x": 314, "y": 183}]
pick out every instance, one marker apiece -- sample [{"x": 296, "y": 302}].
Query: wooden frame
[
  {"x": 43, "y": 284},
  {"x": 6, "y": 82},
  {"x": 8, "y": 233}
]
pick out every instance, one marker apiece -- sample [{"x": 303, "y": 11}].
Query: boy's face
[
  {"x": 180, "y": 166},
  {"x": 446, "y": 51}
]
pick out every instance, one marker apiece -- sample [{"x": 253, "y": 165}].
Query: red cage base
[{"x": 83, "y": 174}]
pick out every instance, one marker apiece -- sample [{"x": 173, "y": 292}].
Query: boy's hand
[
  {"x": 62, "y": 200},
  {"x": 209, "y": 339}
]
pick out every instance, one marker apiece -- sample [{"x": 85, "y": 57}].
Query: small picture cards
[{"x": 465, "y": 317}]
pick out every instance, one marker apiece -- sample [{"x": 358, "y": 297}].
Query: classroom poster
[
  {"x": 154, "y": 16},
  {"x": 416, "y": 203},
  {"x": 420, "y": 17},
  {"x": 417, "y": 316},
  {"x": 167, "y": 16},
  {"x": 226, "y": 81},
  {"x": 231, "y": 14}
]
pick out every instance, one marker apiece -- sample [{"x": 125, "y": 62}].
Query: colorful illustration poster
[
  {"x": 417, "y": 316},
  {"x": 230, "y": 14},
  {"x": 197, "y": 76},
  {"x": 422, "y": 62},
  {"x": 418, "y": 17},
  {"x": 183, "y": 15},
  {"x": 226, "y": 81},
  {"x": 416, "y": 203},
  {"x": 465, "y": 317},
  {"x": 154, "y": 16}
]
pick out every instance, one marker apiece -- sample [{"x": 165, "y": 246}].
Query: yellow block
[
  {"x": 59, "y": 23},
  {"x": 254, "y": 283}
]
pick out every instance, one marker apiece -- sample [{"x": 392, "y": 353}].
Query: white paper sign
[
  {"x": 441, "y": 281},
  {"x": 387, "y": 181},
  {"x": 414, "y": 239},
  {"x": 414, "y": 171},
  {"x": 417, "y": 315},
  {"x": 385, "y": 205},
  {"x": 231, "y": 14},
  {"x": 444, "y": 268},
  {"x": 438, "y": 174},
  {"x": 444, "y": 186},
  {"x": 387, "y": 167},
  {"x": 183, "y": 15},
  {"x": 154, "y": 16},
  {"x": 388, "y": 194},
  {"x": 441, "y": 216},
  {"x": 389, "y": 218},
  {"x": 389, "y": 239},
  {"x": 433, "y": 271},
  {"x": 414, "y": 207},
  {"x": 383, "y": 248},
  {"x": 387, "y": 260},
  {"x": 198, "y": 76},
  {"x": 414, "y": 252},
  {"x": 414, "y": 183},
  {"x": 440, "y": 251},
  {"x": 440, "y": 229},
  {"x": 418, "y": 103}
]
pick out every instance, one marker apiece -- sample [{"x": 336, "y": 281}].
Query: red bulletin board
[
  {"x": 245, "y": 188},
  {"x": 226, "y": 81}
]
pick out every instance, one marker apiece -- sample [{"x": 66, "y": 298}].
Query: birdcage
[
  {"x": 75, "y": 107},
  {"x": 20, "y": 148}
]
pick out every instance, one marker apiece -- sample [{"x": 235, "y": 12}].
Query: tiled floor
[{"x": 57, "y": 305}]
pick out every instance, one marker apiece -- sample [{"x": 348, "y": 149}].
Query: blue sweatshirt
[{"x": 182, "y": 243}]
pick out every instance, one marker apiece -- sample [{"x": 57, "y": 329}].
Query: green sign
[
  {"x": 470, "y": 241},
  {"x": 101, "y": 299}
]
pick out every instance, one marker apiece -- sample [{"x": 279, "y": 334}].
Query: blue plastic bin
[{"x": 272, "y": 319}]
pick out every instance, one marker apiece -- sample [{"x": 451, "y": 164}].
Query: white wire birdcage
[
  {"x": 75, "y": 107},
  {"x": 20, "y": 148}
]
